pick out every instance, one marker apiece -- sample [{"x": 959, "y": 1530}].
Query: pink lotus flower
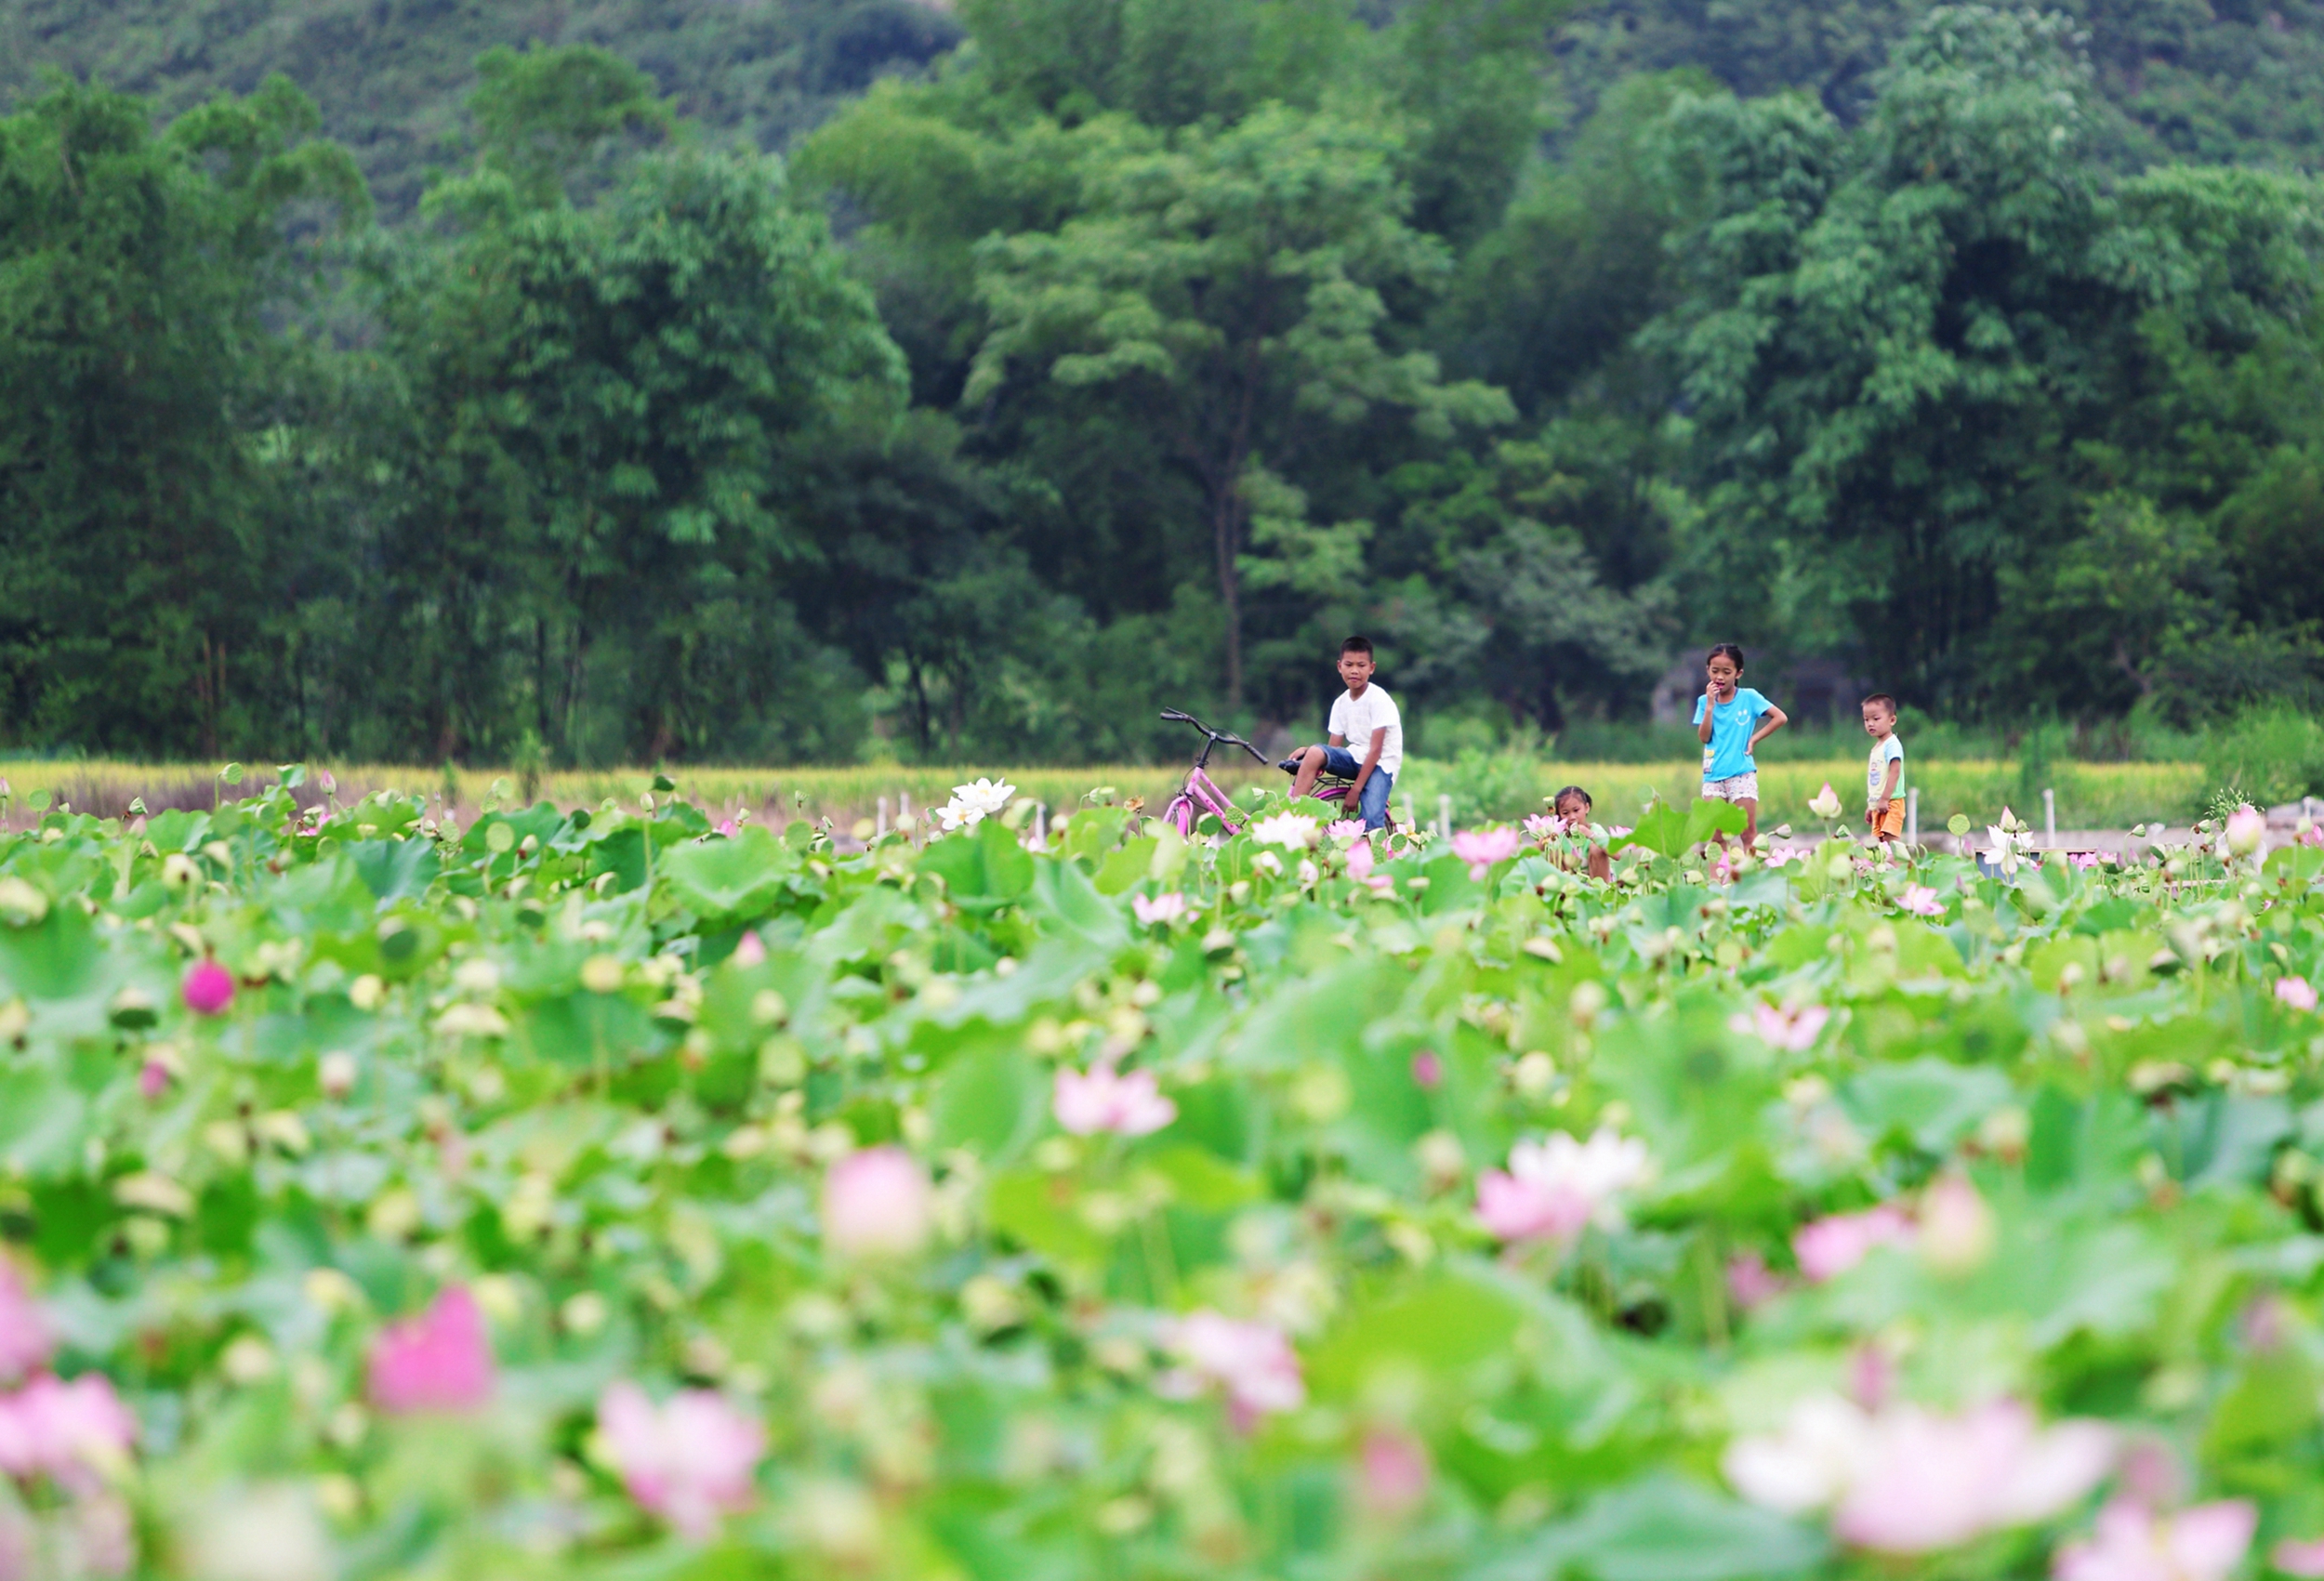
[
  {"x": 1553, "y": 1188},
  {"x": 1104, "y": 1099},
  {"x": 26, "y": 1337},
  {"x": 1482, "y": 848},
  {"x": 1394, "y": 1472},
  {"x": 1793, "y": 1031},
  {"x": 2085, "y": 860},
  {"x": 1905, "y": 1480},
  {"x": 152, "y": 1079},
  {"x": 1361, "y": 859},
  {"x": 76, "y": 1433},
  {"x": 1544, "y": 828},
  {"x": 440, "y": 1361},
  {"x": 1158, "y": 908},
  {"x": 1750, "y": 1283},
  {"x": 877, "y": 1204},
  {"x": 749, "y": 950},
  {"x": 1832, "y": 1246},
  {"x": 1921, "y": 901},
  {"x": 728, "y": 829},
  {"x": 2128, "y": 1543},
  {"x": 1428, "y": 1070},
  {"x": 208, "y": 988},
  {"x": 689, "y": 1461},
  {"x": 2295, "y": 991},
  {"x": 1251, "y": 1361},
  {"x": 2304, "y": 1559},
  {"x": 1346, "y": 829}
]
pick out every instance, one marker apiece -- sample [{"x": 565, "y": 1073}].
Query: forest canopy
[{"x": 827, "y": 380}]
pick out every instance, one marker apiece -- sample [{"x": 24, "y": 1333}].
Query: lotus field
[{"x": 606, "y": 1194}]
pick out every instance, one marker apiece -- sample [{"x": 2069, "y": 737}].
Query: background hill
[
  {"x": 2237, "y": 81},
  {"x": 392, "y": 76}
]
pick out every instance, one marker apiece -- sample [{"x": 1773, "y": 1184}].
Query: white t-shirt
[
  {"x": 1876, "y": 772},
  {"x": 1354, "y": 719}
]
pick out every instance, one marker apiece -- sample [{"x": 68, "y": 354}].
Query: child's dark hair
[
  {"x": 1356, "y": 645},
  {"x": 1884, "y": 700},
  {"x": 1559, "y": 798},
  {"x": 1729, "y": 651}
]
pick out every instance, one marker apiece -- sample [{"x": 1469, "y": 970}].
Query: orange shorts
[{"x": 1890, "y": 825}]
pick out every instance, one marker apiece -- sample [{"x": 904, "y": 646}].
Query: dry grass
[{"x": 2089, "y": 795}]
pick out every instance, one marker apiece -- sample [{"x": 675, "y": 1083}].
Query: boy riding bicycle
[{"x": 1363, "y": 718}]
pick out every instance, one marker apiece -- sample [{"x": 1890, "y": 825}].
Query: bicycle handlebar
[{"x": 1176, "y": 717}]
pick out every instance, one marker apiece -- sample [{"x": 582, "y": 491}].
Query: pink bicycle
[{"x": 1199, "y": 795}]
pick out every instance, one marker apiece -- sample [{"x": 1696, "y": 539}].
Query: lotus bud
[
  {"x": 2246, "y": 830},
  {"x": 1957, "y": 1230}
]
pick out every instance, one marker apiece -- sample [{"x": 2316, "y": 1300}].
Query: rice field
[{"x": 2089, "y": 795}]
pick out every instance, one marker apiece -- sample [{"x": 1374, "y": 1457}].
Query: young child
[
  {"x": 1885, "y": 774},
  {"x": 1574, "y": 807},
  {"x": 1363, "y": 719},
  {"x": 1731, "y": 720}
]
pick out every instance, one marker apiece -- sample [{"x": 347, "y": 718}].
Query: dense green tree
[
  {"x": 143, "y": 391},
  {"x": 611, "y": 401},
  {"x": 1229, "y": 287}
]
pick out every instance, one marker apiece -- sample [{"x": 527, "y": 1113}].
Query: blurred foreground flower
[
  {"x": 26, "y": 1339},
  {"x": 688, "y": 1461},
  {"x": 2131, "y": 1543},
  {"x": 1793, "y": 1031},
  {"x": 270, "y": 1532},
  {"x": 1482, "y": 848},
  {"x": 2296, "y": 992},
  {"x": 1150, "y": 910},
  {"x": 208, "y": 988},
  {"x": 1104, "y": 1099},
  {"x": 2304, "y": 1559},
  {"x": 1252, "y": 1363},
  {"x": 1394, "y": 1472},
  {"x": 1833, "y": 1245},
  {"x": 78, "y": 1434},
  {"x": 1554, "y": 1188},
  {"x": 1921, "y": 901},
  {"x": 1907, "y": 1481},
  {"x": 440, "y": 1361},
  {"x": 877, "y": 1204},
  {"x": 1750, "y": 1283}
]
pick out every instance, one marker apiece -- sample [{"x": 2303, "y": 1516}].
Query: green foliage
[
  {"x": 148, "y": 395},
  {"x": 1163, "y": 344},
  {"x": 1520, "y": 1206}
]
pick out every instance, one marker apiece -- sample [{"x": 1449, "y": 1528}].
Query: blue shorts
[{"x": 1347, "y": 765}]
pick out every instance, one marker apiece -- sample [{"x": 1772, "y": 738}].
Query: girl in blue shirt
[{"x": 1732, "y": 719}]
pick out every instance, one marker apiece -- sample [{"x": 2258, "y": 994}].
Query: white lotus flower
[
  {"x": 1289, "y": 830},
  {"x": 1826, "y": 802},
  {"x": 988, "y": 797}
]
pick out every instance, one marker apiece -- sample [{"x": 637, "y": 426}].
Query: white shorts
[{"x": 1743, "y": 787}]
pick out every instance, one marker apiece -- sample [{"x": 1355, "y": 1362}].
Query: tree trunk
[{"x": 1226, "y": 516}]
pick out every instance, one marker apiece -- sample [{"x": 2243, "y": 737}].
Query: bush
[{"x": 2267, "y": 755}]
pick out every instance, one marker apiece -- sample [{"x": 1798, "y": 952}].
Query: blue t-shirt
[{"x": 1728, "y": 754}]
